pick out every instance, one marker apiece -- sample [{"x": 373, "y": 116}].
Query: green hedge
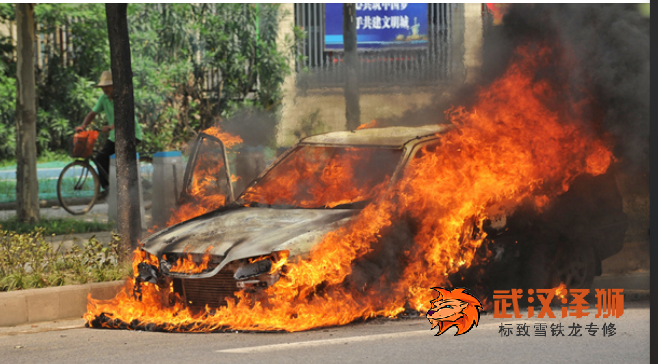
[{"x": 30, "y": 261}]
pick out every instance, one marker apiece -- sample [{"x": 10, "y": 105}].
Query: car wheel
[
  {"x": 577, "y": 266},
  {"x": 537, "y": 270}
]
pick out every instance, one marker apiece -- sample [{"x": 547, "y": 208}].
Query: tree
[
  {"x": 192, "y": 64},
  {"x": 128, "y": 219},
  {"x": 7, "y": 86},
  {"x": 352, "y": 109},
  {"x": 27, "y": 185}
]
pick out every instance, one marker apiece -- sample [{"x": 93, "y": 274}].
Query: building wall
[
  {"x": 4, "y": 29},
  {"x": 330, "y": 108},
  {"x": 328, "y": 105},
  {"x": 472, "y": 40},
  {"x": 8, "y": 30}
]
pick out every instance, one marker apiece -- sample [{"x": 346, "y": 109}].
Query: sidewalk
[{"x": 97, "y": 213}]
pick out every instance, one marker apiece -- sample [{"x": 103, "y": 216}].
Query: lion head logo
[{"x": 454, "y": 307}]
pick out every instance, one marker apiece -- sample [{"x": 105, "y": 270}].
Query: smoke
[
  {"x": 605, "y": 55},
  {"x": 254, "y": 126},
  {"x": 601, "y": 53},
  {"x": 600, "y": 63},
  {"x": 381, "y": 268}
]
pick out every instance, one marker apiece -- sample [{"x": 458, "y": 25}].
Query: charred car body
[{"x": 242, "y": 240}]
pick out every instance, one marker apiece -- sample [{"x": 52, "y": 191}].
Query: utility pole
[
  {"x": 128, "y": 203},
  {"x": 351, "y": 59},
  {"x": 27, "y": 185}
]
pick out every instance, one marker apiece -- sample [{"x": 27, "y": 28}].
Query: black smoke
[
  {"x": 601, "y": 51},
  {"x": 609, "y": 50}
]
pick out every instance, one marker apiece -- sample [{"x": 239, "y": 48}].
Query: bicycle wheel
[
  {"x": 78, "y": 187},
  {"x": 146, "y": 179}
]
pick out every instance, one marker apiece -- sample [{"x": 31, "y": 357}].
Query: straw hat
[{"x": 106, "y": 79}]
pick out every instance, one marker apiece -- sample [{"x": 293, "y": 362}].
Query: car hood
[{"x": 248, "y": 232}]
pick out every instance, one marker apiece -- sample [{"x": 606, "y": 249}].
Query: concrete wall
[
  {"x": 5, "y": 29},
  {"x": 472, "y": 40},
  {"x": 8, "y": 29},
  {"x": 329, "y": 104}
]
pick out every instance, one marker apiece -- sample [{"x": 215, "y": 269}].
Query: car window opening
[{"x": 325, "y": 177}]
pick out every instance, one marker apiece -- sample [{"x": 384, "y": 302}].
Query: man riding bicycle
[{"x": 106, "y": 104}]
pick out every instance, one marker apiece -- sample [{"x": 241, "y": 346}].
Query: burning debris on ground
[{"x": 436, "y": 209}]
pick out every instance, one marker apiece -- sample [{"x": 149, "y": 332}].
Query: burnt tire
[
  {"x": 576, "y": 266},
  {"x": 538, "y": 269}
]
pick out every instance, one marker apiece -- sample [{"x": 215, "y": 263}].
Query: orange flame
[
  {"x": 371, "y": 124},
  {"x": 283, "y": 259},
  {"x": 509, "y": 147},
  {"x": 498, "y": 11},
  {"x": 140, "y": 256},
  {"x": 187, "y": 265},
  {"x": 229, "y": 140},
  {"x": 322, "y": 177},
  {"x": 561, "y": 291}
]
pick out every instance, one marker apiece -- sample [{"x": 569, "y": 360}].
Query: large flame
[
  {"x": 325, "y": 177},
  {"x": 228, "y": 139},
  {"x": 510, "y": 146},
  {"x": 187, "y": 265}
]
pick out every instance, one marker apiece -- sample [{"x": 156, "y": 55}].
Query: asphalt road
[{"x": 380, "y": 341}]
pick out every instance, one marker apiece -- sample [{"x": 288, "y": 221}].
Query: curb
[
  {"x": 638, "y": 281},
  {"x": 631, "y": 295},
  {"x": 42, "y": 203},
  {"x": 52, "y": 303}
]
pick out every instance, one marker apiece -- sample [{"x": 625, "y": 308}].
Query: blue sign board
[{"x": 378, "y": 26}]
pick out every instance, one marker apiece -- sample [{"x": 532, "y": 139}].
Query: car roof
[{"x": 393, "y": 136}]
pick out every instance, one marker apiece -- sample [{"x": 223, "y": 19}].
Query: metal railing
[{"x": 432, "y": 64}]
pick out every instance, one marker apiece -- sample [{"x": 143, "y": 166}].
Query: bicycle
[{"x": 78, "y": 186}]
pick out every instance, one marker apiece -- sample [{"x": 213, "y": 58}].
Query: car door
[{"x": 207, "y": 172}]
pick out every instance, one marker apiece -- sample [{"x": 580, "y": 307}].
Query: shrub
[{"x": 29, "y": 261}]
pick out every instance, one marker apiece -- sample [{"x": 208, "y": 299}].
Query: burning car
[{"x": 324, "y": 181}]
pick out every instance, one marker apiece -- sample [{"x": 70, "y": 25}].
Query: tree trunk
[
  {"x": 352, "y": 109},
  {"x": 128, "y": 217},
  {"x": 27, "y": 185}
]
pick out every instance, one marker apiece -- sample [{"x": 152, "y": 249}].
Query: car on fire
[{"x": 280, "y": 212}]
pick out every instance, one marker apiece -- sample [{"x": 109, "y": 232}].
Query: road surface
[{"x": 377, "y": 341}]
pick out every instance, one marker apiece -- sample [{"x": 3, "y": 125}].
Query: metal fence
[
  {"x": 320, "y": 68},
  {"x": 48, "y": 42}
]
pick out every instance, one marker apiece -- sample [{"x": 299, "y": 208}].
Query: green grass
[
  {"x": 56, "y": 226},
  {"x": 45, "y": 157}
]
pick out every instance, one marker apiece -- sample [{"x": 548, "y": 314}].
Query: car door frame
[{"x": 189, "y": 169}]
